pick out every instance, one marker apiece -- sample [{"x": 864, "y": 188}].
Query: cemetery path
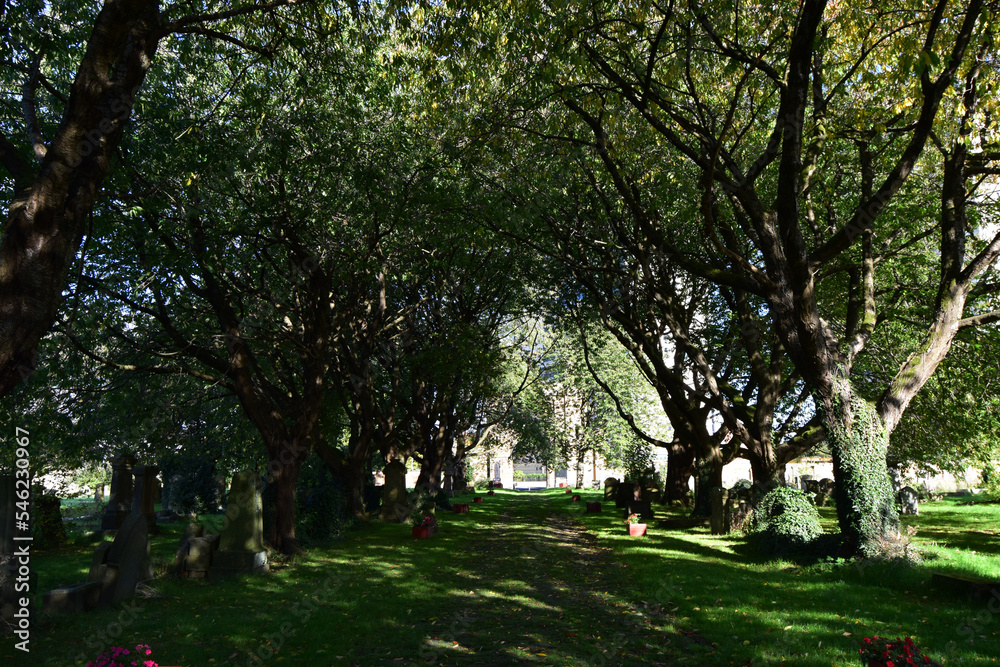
[{"x": 546, "y": 592}]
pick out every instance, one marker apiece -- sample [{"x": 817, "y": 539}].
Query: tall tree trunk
[
  {"x": 47, "y": 218},
  {"x": 865, "y": 504},
  {"x": 680, "y": 468},
  {"x": 354, "y": 483},
  {"x": 283, "y": 467}
]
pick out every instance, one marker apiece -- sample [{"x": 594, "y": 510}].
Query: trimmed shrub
[{"x": 784, "y": 523}]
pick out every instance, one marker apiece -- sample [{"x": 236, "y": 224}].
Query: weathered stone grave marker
[
  {"x": 127, "y": 561},
  {"x": 144, "y": 494},
  {"x": 241, "y": 547},
  {"x": 120, "y": 502},
  {"x": 395, "y": 500},
  {"x": 909, "y": 501}
]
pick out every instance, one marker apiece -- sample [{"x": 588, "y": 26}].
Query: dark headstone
[
  {"x": 127, "y": 561},
  {"x": 144, "y": 493},
  {"x": 47, "y": 522},
  {"x": 624, "y": 494},
  {"x": 120, "y": 502},
  {"x": 641, "y": 507}
]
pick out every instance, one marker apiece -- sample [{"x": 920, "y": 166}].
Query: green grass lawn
[{"x": 529, "y": 578}]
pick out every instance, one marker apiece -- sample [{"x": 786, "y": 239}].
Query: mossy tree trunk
[{"x": 857, "y": 435}]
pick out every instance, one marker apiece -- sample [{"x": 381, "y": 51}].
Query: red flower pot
[
  {"x": 636, "y": 529},
  {"x": 576, "y": 498},
  {"x": 461, "y": 508},
  {"x": 489, "y": 493},
  {"x": 593, "y": 508},
  {"x": 421, "y": 532},
  {"x": 569, "y": 490}
]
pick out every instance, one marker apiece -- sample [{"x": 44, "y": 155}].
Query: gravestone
[
  {"x": 641, "y": 507},
  {"x": 72, "y": 599},
  {"x": 144, "y": 493},
  {"x": 193, "y": 558},
  {"x": 241, "y": 547},
  {"x": 652, "y": 493},
  {"x": 47, "y": 522},
  {"x": 395, "y": 500},
  {"x": 120, "y": 502},
  {"x": 909, "y": 501},
  {"x": 804, "y": 482},
  {"x": 99, "y": 493},
  {"x": 718, "y": 497},
  {"x": 627, "y": 493},
  {"x": 610, "y": 488},
  {"x": 127, "y": 561}
]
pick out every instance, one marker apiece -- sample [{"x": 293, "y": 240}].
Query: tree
[
  {"x": 248, "y": 280},
  {"x": 799, "y": 136},
  {"x": 52, "y": 194}
]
